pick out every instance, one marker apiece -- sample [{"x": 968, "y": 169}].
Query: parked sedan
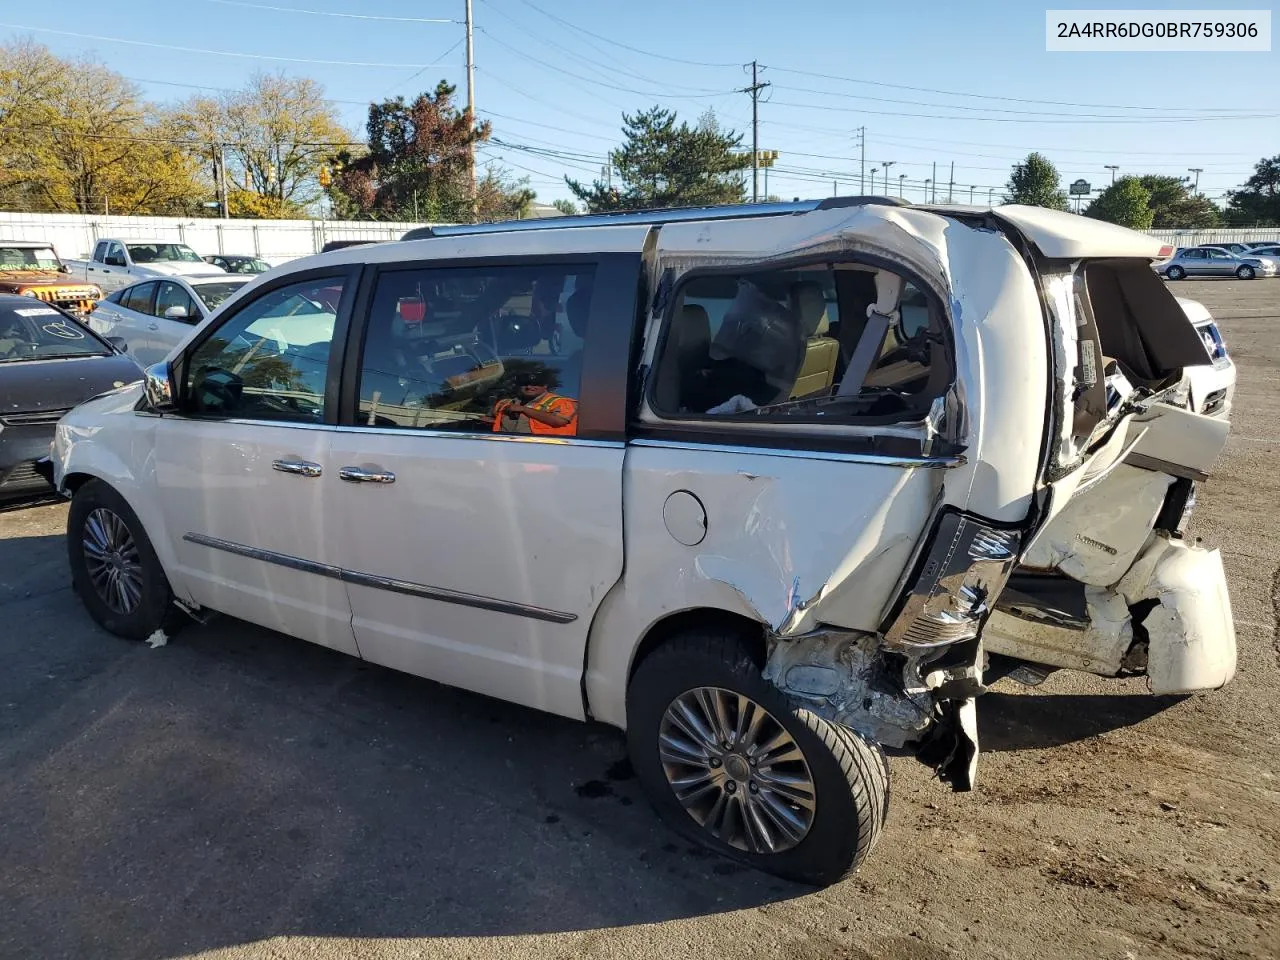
[
  {"x": 155, "y": 316},
  {"x": 49, "y": 363},
  {"x": 1212, "y": 262},
  {"x": 236, "y": 263},
  {"x": 1254, "y": 253}
]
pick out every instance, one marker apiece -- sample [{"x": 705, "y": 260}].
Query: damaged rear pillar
[{"x": 914, "y": 684}]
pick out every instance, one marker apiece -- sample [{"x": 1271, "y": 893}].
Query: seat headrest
[
  {"x": 576, "y": 309},
  {"x": 693, "y": 326},
  {"x": 809, "y": 304}
]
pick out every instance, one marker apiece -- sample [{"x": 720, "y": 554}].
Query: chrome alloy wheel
[
  {"x": 737, "y": 770},
  {"x": 111, "y": 556}
]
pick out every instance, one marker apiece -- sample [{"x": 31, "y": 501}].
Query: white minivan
[{"x": 769, "y": 487}]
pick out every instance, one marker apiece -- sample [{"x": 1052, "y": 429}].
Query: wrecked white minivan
[{"x": 767, "y": 487}]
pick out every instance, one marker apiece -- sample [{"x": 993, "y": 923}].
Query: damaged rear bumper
[{"x": 1168, "y": 617}]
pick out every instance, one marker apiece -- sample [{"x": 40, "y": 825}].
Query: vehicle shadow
[
  {"x": 1011, "y": 722},
  {"x": 237, "y": 785}
]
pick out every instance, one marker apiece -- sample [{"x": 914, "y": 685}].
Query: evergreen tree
[
  {"x": 1258, "y": 201},
  {"x": 1035, "y": 182},
  {"x": 1126, "y": 202},
  {"x": 662, "y": 164}
]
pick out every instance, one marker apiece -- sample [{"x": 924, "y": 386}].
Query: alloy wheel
[
  {"x": 111, "y": 557},
  {"x": 736, "y": 770}
]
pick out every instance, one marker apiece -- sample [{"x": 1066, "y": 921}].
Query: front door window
[{"x": 269, "y": 360}]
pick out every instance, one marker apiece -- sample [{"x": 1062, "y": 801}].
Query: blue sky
[{"x": 555, "y": 93}]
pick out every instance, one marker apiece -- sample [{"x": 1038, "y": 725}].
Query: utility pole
[
  {"x": 862, "y": 144},
  {"x": 220, "y": 169},
  {"x": 971, "y": 189},
  {"x": 471, "y": 109},
  {"x": 991, "y": 192},
  {"x": 887, "y": 164},
  {"x": 927, "y": 181},
  {"x": 952, "y": 185},
  {"x": 754, "y": 90},
  {"x": 1197, "y": 171}
]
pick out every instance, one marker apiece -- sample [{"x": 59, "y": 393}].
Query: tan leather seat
[{"x": 822, "y": 352}]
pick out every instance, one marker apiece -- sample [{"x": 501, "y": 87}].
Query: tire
[
  {"x": 99, "y": 515},
  {"x": 848, "y": 776},
  {"x": 1175, "y": 273},
  {"x": 1245, "y": 273}
]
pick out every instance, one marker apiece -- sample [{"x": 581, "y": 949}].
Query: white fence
[{"x": 74, "y": 234}]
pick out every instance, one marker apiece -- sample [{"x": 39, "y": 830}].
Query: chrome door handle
[
  {"x": 303, "y": 468},
  {"x": 360, "y": 475}
]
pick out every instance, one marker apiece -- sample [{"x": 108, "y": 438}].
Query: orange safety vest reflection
[{"x": 549, "y": 403}]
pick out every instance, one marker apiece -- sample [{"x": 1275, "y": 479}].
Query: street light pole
[
  {"x": 991, "y": 192},
  {"x": 873, "y": 180},
  {"x": 1197, "y": 171},
  {"x": 927, "y": 181},
  {"x": 971, "y": 189},
  {"x": 887, "y": 165},
  {"x": 1113, "y": 167},
  {"x": 901, "y": 188},
  {"x": 471, "y": 110}
]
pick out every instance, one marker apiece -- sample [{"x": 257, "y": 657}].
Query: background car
[
  {"x": 1265, "y": 250},
  {"x": 1255, "y": 244},
  {"x": 49, "y": 363},
  {"x": 1255, "y": 253},
  {"x": 237, "y": 263},
  {"x": 154, "y": 316},
  {"x": 1212, "y": 262}
]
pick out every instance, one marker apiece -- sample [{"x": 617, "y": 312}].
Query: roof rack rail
[{"x": 664, "y": 215}]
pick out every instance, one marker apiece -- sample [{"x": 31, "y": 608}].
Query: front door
[
  {"x": 477, "y": 556},
  {"x": 175, "y": 314},
  {"x": 244, "y": 472}
]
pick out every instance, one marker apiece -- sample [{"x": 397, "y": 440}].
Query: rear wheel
[
  {"x": 114, "y": 568},
  {"x": 1245, "y": 272},
  {"x": 730, "y": 763},
  {"x": 1175, "y": 273}
]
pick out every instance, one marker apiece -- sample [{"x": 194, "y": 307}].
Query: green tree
[
  {"x": 1258, "y": 201},
  {"x": 1175, "y": 207},
  {"x": 1126, "y": 202},
  {"x": 1035, "y": 182},
  {"x": 662, "y": 164},
  {"x": 567, "y": 207},
  {"x": 278, "y": 133},
  {"x": 417, "y": 166}
]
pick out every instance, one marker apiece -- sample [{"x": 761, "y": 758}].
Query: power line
[
  {"x": 330, "y": 13},
  {"x": 612, "y": 86},
  {"x": 219, "y": 53},
  {"x": 932, "y": 116},
  {"x": 646, "y": 53}
]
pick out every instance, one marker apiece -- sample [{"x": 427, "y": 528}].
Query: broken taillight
[{"x": 964, "y": 569}]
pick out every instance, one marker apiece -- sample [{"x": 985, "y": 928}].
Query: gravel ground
[{"x": 240, "y": 794}]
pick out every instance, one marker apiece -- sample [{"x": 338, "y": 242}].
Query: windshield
[
  {"x": 28, "y": 258},
  {"x": 158, "y": 252},
  {"x": 212, "y": 294},
  {"x": 42, "y": 333},
  {"x": 252, "y": 265}
]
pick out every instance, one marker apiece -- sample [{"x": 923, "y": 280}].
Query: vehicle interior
[
  {"x": 442, "y": 347},
  {"x": 41, "y": 333},
  {"x": 801, "y": 343}
]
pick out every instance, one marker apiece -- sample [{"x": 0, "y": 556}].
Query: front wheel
[
  {"x": 1245, "y": 273},
  {"x": 114, "y": 568},
  {"x": 1175, "y": 273},
  {"x": 730, "y": 763}
]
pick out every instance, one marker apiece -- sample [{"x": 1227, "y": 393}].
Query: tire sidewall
[
  {"x": 1175, "y": 273},
  {"x": 1245, "y": 273},
  {"x": 831, "y": 845},
  {"x": 154, "y": 608}
]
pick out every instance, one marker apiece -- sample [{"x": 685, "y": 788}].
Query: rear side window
[
  {"x": 483, "y": 349},
  {"x": 139, "y": 298},
  {"x": 801, "y": 343}
]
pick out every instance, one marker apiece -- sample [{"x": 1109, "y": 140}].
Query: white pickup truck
[{"x": 118, "y": 263}]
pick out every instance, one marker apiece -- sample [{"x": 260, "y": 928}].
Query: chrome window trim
[
  {"x": 877, "y": 459},
  {"x": 390, "y": 584}
]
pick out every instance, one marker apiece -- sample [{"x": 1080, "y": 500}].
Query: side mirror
[
  {"x": 63, "y": 268},
  {"x": 158, "y": 387},
  {"x": 176, "y": 313},
  {"x": 120, "y": 343}
]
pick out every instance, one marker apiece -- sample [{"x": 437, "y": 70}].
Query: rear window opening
[{"x": 802, "y": 344}]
